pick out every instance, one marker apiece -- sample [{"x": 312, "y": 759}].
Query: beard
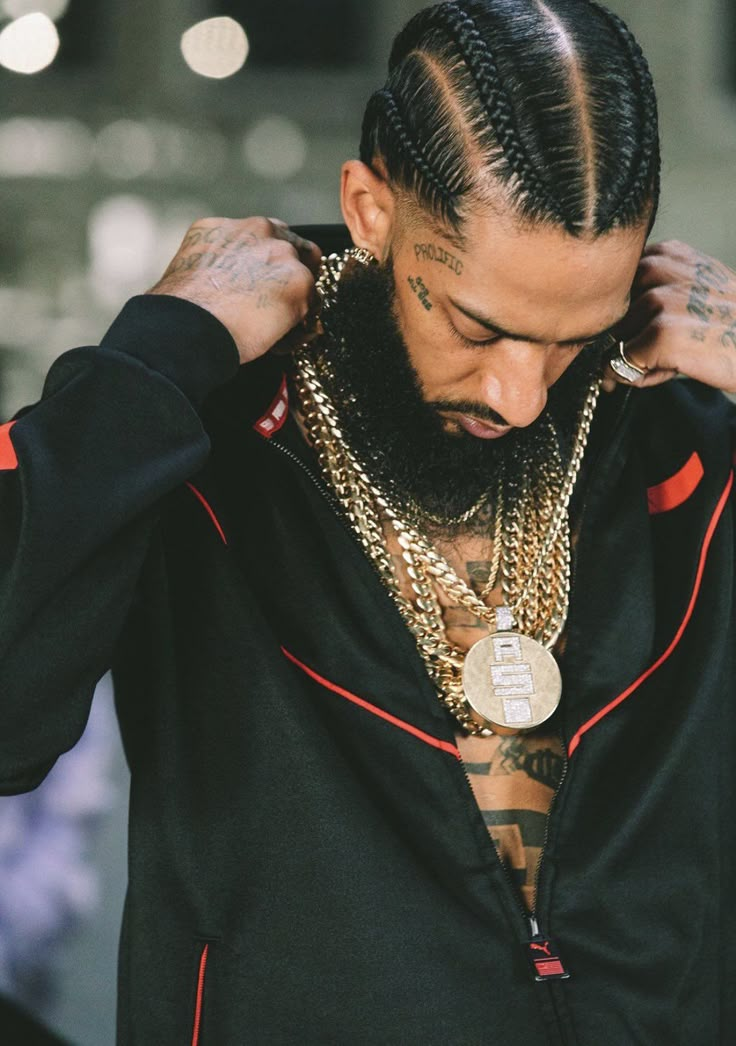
[{"x": 400, "y": 437}]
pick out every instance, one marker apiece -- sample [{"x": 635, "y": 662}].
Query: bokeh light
[
  {"x": 275, "y": 148},
  {"x": 42, "y": 148},
  {"x": 126, "y": 149},
  {"x": 216, "y": 47},
  {"x": 53, "y": 9},
  {"x": 29, "y": 44},
  {"x": 122, "y": 235}
]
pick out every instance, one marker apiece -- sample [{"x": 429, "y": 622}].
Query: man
[{"x": 337, "y": 592}]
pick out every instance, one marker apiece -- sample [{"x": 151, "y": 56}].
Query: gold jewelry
[
  {"x": 508, "y": 682},
  {"x": 622, "y": 366},
  {"x": 327, "y": 283}
]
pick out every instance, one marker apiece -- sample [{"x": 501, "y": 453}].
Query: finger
[
  {"x": 642, "y": 353},
  {"x": 661, "y": 272},
  {"x": 644, "y": 309},
  {"x": 611, "y": 378},
  {"x": 670, "y": 249},
  {"x": 309, "y": 253}
]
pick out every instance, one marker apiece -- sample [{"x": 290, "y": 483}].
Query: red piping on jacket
[
  {"x": 8, "y": 457},
  {"x": 435, "y": 742},
  {"x": 200, "y": 995},
  {"x": 210, "y": 511},
  {"x": 680, "y": 632},
  {"x": 677, "y": 489}
]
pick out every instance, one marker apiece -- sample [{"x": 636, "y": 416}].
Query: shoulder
[
  {"x": 685, "y": 410},
  {"x": 684, "y": 427}
]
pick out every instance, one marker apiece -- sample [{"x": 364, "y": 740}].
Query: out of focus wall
[
  {"x": 103, "y": 162},
  {"x": 106, "y": 157},
  {"x": 691, "y": 46}
]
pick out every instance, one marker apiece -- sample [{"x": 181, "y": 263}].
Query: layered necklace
[{"x": 509, "y": 682}]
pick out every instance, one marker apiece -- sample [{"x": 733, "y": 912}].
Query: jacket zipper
[
  {"x": 530, "y": 920},
  {"x": 533, "y": 918}
]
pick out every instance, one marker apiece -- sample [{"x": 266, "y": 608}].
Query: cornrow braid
[
  {"x": 442, "y": 197},
  {"x": 478, "y": 58},
  {"x": 644, "y": 183},
  {"x": 479, "y": 96}
]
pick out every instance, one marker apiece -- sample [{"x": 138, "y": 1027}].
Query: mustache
[{"x": 475, "y": 410}]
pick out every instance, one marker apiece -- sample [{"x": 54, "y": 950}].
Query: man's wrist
[{"x": 176, "y": 338}]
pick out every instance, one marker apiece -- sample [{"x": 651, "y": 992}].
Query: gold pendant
[{"x": 512, "y": 683}]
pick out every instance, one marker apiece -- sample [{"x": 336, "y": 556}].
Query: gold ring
[{"x": 623, "y": 367}]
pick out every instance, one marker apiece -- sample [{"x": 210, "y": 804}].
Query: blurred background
[{"x": 120, "y": 123}]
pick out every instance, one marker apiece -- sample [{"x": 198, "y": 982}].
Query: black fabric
[{"x": 334, "y": 865}]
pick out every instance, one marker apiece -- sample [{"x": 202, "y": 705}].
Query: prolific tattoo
[
  {"x": 421, "y": 290},
  {"x": 434, "y": 253}
]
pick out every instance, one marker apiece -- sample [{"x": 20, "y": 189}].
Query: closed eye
[
  {"x": 471, "y": 342},
  {"x": 603, "y": 341}
]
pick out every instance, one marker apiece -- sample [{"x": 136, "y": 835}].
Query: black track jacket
[{"x": 308, "y": 865}]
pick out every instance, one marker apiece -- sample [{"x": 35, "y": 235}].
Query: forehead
[{"x": 522, "y": 273}]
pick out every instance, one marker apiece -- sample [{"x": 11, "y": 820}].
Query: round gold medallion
[{"x": 512, "y": 683}]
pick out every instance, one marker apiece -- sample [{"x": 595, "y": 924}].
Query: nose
[{"x": 514, "y": 382}]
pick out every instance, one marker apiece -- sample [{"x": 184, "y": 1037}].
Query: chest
[{"x": 513, "y": 779}]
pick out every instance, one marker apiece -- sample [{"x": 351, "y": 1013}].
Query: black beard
[{"x": 400, "y": 438}]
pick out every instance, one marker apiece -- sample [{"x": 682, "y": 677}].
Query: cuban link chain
[{"x": 531, "y": 551}]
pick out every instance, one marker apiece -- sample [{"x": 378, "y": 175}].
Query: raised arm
[{"x": 81, "y": 472}]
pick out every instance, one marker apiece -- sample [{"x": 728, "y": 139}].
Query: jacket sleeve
[{"x": 81, "y": 474}]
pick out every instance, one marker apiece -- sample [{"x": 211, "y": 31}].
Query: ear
[{"x": 368, "y": 208}]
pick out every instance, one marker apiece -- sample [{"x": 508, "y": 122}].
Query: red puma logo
[{"x": 542, "y": 948}]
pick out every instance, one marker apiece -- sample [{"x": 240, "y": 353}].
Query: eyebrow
[{"x": 495, "y": 328}]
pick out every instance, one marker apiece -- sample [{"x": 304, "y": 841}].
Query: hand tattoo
[
  {"x": 728, "y": 338},
  {"x": 223, "y": 253},
  {"x": 710, "y": 279}
]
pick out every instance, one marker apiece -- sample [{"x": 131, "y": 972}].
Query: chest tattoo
[{"x": 514, "y": 780}]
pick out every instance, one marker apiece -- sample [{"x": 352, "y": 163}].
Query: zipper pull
[{"x": 544, "y": 956}]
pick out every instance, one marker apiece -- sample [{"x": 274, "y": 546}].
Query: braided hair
[{"x": 549, "y": 102}]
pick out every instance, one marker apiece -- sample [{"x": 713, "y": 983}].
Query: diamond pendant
[{"x": 512, "y": 683}]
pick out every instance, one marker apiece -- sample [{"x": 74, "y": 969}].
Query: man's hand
[
  {"x": 682, "y": 319},
  {"x": 255, "y": 275}
]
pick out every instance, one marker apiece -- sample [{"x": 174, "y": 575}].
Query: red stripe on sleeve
[
  {"x": 677, "y": 489},
  {"x": 210, "y": 511},
  {"x": 435, "y": 742},
  {"x": 200, "y": 995},
  {"x": 678, "y": 635},
  {"x": 8, "y": 457}
]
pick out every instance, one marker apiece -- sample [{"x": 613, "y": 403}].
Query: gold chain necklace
[{"x": 508, "y": 682}]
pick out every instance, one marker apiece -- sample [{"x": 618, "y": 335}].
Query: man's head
[{"x": 510, "y": 175}]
